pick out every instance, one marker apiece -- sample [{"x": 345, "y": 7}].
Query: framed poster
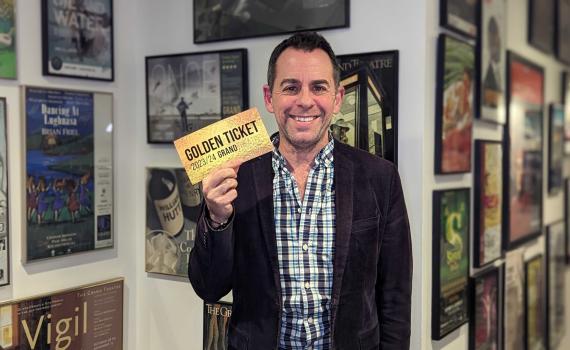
[
  {"x": 484, "y": 323},
  {"x": 7, "y": 40},
  {"x": 513, "y": 327},
  {"x": 173, "y": 206},
  {"x": 77, "y": 39},
  {"x": 225, "y": 20},
  {"x": 86, "y": 317},
  {"x": 535, "y": 304},
  {"x": 565, "y": 100},
  {"x": 567, "y": 217},
  {"x": 523, "y": 152},
  {"x": 556, "y": 271},
  {"x": 491, "y": 58},
  {"x": 4, "y": 213},
  {"x": 459, "y": 16},
  {"x": 541, "y": 25},
  {"x": 488, "y": 202},
  {"x": 186, "y": 92},
  {"x": 563, "y": 30},
  {"x": 454, "y": 106},
  {"x": 216, "y": 323},
  {"x": 368, "y": 118},
  {"x": 69, "y": 172},
  {"x": 555, "y": 148},
  {"x": 450, "y": 261}
]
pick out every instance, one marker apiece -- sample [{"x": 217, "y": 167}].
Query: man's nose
[{"x": 305, "y": 99}]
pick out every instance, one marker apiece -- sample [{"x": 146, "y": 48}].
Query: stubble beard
[{"x": 306, "y": 145}]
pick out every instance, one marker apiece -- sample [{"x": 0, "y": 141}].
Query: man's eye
[
  {"x": 290, "y": 89},
  {"x": 319, "y": 89}
]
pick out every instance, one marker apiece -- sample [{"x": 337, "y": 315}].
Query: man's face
[{"x": 304, "y": 98}]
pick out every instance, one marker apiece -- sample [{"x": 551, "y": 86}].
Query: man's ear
[
  {"x": 268, "y": 98},
  {"x": 339, "y": 95}
]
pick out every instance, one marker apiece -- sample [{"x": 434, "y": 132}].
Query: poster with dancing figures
[
  {"x": 69, "y": 174},
  {"x": 7, "y": 40}
]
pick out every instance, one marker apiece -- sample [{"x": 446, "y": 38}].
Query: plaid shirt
[{"x": 305, "y": 247}]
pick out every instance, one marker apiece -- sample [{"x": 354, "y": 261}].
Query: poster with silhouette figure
[
  {"x": 77, "y": 38},
  {"x": 69, "y": 182},
  {"x": 216, "y": 321}
]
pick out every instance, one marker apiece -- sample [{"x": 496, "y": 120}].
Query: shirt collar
[{"x": 324, "y": 157}]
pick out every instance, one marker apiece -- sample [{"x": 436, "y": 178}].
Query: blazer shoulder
[{"x": 365, "y": 162}]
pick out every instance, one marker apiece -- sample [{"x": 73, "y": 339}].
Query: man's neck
[{"x": 299, "y": 158}]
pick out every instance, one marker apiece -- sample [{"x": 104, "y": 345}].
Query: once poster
[
  {"x": 484, "y": 326},
  {"x": 488, "y": 201},
  {"x": 555, "y": 148},
  {"x": 535, "y": 304},
  {"x": 556, "y": 284},
  {"x": 224, "y": 20},
  {"x": 173, "y": 207},
  {"x": 454, "y": 106},
  {"x": 69, "y": 174},
  {"x": 186, "y": 92},
  {"x": 78, "y": 38},
  {"x": 88, "y": 317},
  {"x": 492, "y": 62},
  {"x": 216, "y": 322},
  {"x": 523, "y": 151},
  {"x": 368, "y": 118},
  {"x": 4, "y": 213},
  {"x": 460, "y": 16},
  {"x": 450, "y": 261},
  {"x": 7, "y": 40}
]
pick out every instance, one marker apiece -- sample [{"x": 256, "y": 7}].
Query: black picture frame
[
  {"x": 459, "y": 16},
  {"x": 222, "y": 92},
  {"x": 85, "y": 51},
  {"x": 523, "y": 152},
  {"x": 562, "y": 41},
  {"x": 541, "y": 25},
  {"x": 535, "y": 267},
  {"x": 231, "y": 20},
  {"x": 5, "y": 229},
  {"x": 213, "y": 313},
  {"x": 567, "y": 218},
  {"x": 453, "y": 117},
  {"x": 487, "y": 219},
  {"x": 452, "y": 205},
  {"x": 556, "y": 283},
  {"x": 491, "y": 60},
  {"x": 375, "y": 75},
  {"x": 485, "y": 280},
  {"x": 565, "y": 101},
  {"x": 555, "y": 148}
]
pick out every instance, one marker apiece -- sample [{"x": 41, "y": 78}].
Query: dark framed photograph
[
  {"x": 491, "y": 60},
  {"x": 4, "y": 212},
  {"x": 567, "y": 217},
  {"x": 541, "y": 25},
  {"x": 488, "y": 202},
  {"x": 535, "y": 303},
  {"x": 459, "y": 16},
  {"x": 556, "y": 272},
  {"x": 563, "y": 30},
  {"x": 555, "y": 147},
  {"x": 368, "y": 118},
  {"x": 484, "y": 323},
  {"x": 523, "y": 146},
  {"x": 8, "y": 40},
  {"x": 77, "y": 39},
  {"x": 173, "y": 206},
  {"x": 450, "y": 261},
  {"x": 185, "y": 92},
  {"x": 454, "y": 106},
  {"x": 565, "y": 100},
  {"x": 225, "y": 20},
  {"x": 513, "y": 305},
  {"x": 216, "y": 324},
  {"x": 69, "y": 172}
]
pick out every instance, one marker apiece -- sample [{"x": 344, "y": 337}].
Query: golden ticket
[{"x": 240, "y": 136}]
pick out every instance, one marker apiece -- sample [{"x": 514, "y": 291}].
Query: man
[
  {"x": 182, "y": 107},
  {"x": 316, "y": 245}
]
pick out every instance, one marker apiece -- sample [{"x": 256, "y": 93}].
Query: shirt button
[
  {"x": 310, "y": 320},
  {"x": 299, "y": 210},
  {"x": 305, "y": 247},
  {"x": 307, "y": 285}
]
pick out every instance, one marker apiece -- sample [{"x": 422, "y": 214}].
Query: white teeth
[{"x": 304, "y": 119}]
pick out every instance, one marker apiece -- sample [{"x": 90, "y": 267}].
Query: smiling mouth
[{"x": 304, "y": 119}]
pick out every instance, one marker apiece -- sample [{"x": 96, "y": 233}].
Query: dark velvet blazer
[{"x": 372, "y": 279}]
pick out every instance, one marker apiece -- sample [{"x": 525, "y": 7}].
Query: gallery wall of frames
[{"x": 98, "y": 218}]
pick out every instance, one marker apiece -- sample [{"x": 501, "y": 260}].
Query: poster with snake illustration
[{"x": 450, "y": 260}]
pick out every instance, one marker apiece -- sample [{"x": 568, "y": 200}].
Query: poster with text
[
  {"x": 216, "y": 323},
  {"x": 535, "y": 304},
  {"x": 513, "y": 335},
  {"x": 484, "y": 325},
  {"x": 7, "y": 40},
  {"x": 69, "y": 172},
  {"x": 84, "y": 318},
  {"x": 556, "y": 273},
  {"x": 78, "y": 38}
]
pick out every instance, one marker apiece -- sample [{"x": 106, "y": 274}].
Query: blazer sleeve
[
  {"x": 393, "y": 286},
  {"x": 211, "y": 260}
]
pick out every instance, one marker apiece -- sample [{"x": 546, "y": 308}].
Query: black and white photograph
[
  {"x": 186, "y": 92},
  {"x": 541, "y": 25},
  {"x": 459, "y": 16},
  {"x": 216, "y": 20}
]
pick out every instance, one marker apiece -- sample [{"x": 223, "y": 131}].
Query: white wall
[{"x": 164, "y": 312}]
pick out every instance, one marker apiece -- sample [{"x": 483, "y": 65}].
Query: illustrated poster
[
  {"x": 7, "y": 40},
  {"x": 4, "y": 213},
  {"x": 556, "y": 284},
  {"x": 486, "y": 312},
  {"x": 514, "y": 300},
  {"x": 556, "y": 148},
  {"x": 216, "y": 322},
  {"x": 535, "y": 304}
]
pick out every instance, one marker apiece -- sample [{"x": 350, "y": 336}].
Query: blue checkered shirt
[{"x": 305, "y": 233}]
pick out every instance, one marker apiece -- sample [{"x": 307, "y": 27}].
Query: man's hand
[{"x": 220, "y": 190}]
